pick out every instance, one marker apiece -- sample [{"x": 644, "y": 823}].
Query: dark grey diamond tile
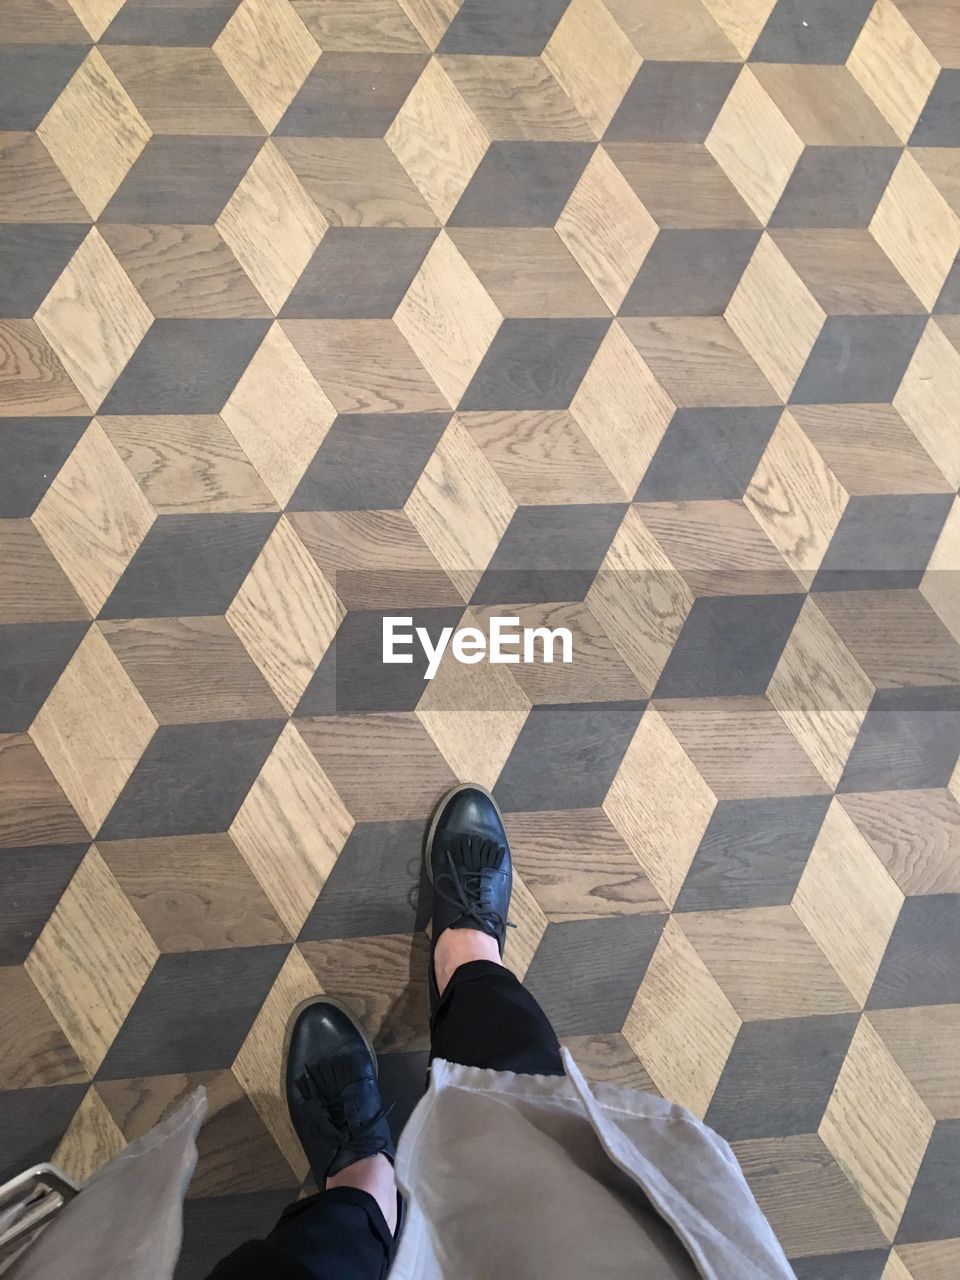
[
  {"x": 811, "y": 31},
  {"x": 921, "y": 964},
  {"x": 522, "y": 184},
  {"x": 858, "y": 360},
  {"x": 33, "y": 451},
  {"x": 753, "y": 853},
  {"x": 369, "y": 461},
  {"x": 352, "y": 95},
  {"x": 185, "y": 366},
  {"x": 32, "y": 77},
  {"x": 33, "y": 881},
  {"x": 949, "y": 301},
  {"x": 503, "y": 26},
  {"x": 939, "y": 122},
  {"x": 672, "y": 102},
  {"x": 214, "y": 1226},
  {"x": 566, "y": 757},
  {"x": 549, "y": 553},
  {"x": 905, "y": 743},
  {"x": 189, "y": 565},
  {"x": 708, "y": 453},
  {"x": 170, "y": 22},
  {"x": 32, "y": 1122},
  {"x": 194, "y": 1012},
  {"x": 182, "y": 180},
  {"x": 729, "y": 646},
  {"x": 375, "y": 885},
  {"x": 865, "y": 1264},
  {"x": 535, "y": 364},
  {"x": 780, "y": 1075},
  {"x": 835, "y": 187},
  {"x": 32, "y": 658},
  {"x": 352, "y": 676},
  {"x": 359, "y": 273},
  {"x": 32, "y": 255},
  {"x": 883, "y": 541},
  {"x": 690, "y": 273},
  {"x": 192, "y": 779},
  {"x": 586, "y": 973},
  {"x": 933, "y": 1210}
]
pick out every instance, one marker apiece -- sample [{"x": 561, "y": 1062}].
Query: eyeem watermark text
[{"x": 507, "y": 642}]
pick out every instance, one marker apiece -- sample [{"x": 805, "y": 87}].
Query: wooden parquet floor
[{"x": 638, "y": 317}]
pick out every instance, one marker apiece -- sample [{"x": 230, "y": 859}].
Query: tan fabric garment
[
  {"x": 127, "y": 1222},
  {"x": 537, "y": 1177}
]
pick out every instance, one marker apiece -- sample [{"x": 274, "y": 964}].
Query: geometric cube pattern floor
[{"x": 641, "y": 319}]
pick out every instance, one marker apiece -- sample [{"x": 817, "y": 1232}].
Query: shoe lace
[
  {"x": 470, "y": 888},
  {"x": 333, "y": 1121}
]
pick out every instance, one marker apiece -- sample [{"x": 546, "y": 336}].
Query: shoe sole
[
  {"x": 435, "y": 819},
  {"x": 291, "y": 1022}
]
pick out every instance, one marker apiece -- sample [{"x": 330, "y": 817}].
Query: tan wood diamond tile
[{"x": 94, "y": 132}]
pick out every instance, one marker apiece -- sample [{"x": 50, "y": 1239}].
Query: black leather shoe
[
  {"x": 468, "y": 860},
  {"x": 332, "y": 1090}
]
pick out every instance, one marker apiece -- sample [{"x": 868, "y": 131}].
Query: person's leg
[
  {"x": 348, "y": 1228},
  {"x": 481, "y": 1014}
]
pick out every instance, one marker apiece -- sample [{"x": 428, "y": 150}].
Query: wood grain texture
[
  {"x": 94, "y": 132},
  {"x": 272, "y": 226},
  {"x": 183, "y": 271},
  {"x": 927, "y": 399},
  {"x": 193, "y": 892},
  {"x": 286, "y": 613},
  {"x": 448, "y": 318},
  {"x": 268, "y": 52},
  {"x": 766, "y": 963},
  {"x": 660, "y": 805},
  {"x": 877, "y": 1127},
  {"x": 32, "y": 188},
  {"x": 181, "y": 91},
  {"x": 606, "y": 228},
  {"x": 357, "y": 182},
  {"x": 33, "y": 381},
  {"x": 517, "y": 98},
  {"x": 592, "y": 60},
  {"x": 739, "y": 745},
  {"x": 438, "y": 140},
  {"x": 259, "y": 1064},
  {"x": 796, "y": 499},
  {"x": 775, "y": 316},
  {"x": 699, "y": 360},
  {"x": 754, "y": 144},
  {"x": 190, "y": 670},
  {"x": 291, "y": 827},
  {"x": 278, "y": 414},
  {"x": 678, "y": 993},
  {"x": 821, "y": 691},
  {"x": 546, "y": 849},
  {"x": 365, "y": 366},
  {"x": 916, "y": 835},
  {"x": 35, "y": 1052},
  {"x": 187, "y": 464},
  {"x": 92, "y": 960},
  {"x": 542, "y": 457},
  {"x": 26, "y": 569},
  {"x": 91, "y": 1140},
  {"x": 94, "y": 517},
  {"x": 848, "y": 902},
  {"x": 93, "y": 729},
  {"x": 34, "y": 810},
  {"x": 383, "y": 981},
  {"x": 917, "y": 230},
  {"x": 528, "y": 272},
  {"x": 924, "y": 1043},
  {"x": 460, "y": 508},
  {"x": 384, "y": 766}
]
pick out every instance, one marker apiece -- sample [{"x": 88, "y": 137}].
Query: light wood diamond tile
[{"x": 268, "y": 53}]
